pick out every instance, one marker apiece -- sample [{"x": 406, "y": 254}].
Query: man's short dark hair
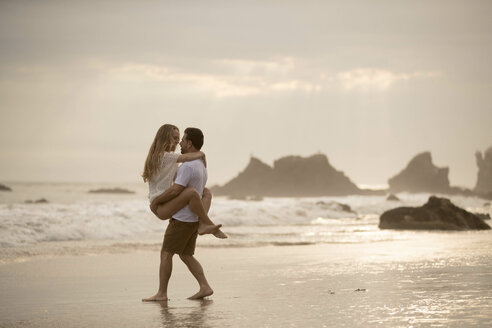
[{"x": 195, "y": 135}]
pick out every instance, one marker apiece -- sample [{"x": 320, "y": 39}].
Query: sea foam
[{"x": 272, "y": 220}]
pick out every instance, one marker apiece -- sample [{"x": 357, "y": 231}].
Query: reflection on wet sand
[{"x": 193, "y": 314}]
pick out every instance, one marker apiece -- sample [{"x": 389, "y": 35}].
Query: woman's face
[{"x": 175, "y": 139}]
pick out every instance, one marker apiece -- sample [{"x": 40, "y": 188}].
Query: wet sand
[{"x": 418, "y": 282}]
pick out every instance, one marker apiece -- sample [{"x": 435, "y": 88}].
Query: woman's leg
[
  {"x": 206, "y": 199},
  {"x": 188, "y": 196},
  {"x": 207, "y": 202}
]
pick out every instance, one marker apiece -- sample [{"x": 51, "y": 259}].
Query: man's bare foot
[
  {"x": 156, "y": 298},
  {"x": 203, "y": 292},
  {"x": 220, "y": 234},
  {"x": 208, "y": 228}
]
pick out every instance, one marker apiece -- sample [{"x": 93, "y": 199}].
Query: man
[{"x": 182, "y": 231}]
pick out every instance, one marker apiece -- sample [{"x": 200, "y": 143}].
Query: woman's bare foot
[
  {"x": 203, "y": 292},
  {"x": 220, "y": 234},
  {"x": 208, "y": 228},
  {"x": 156, "y": 298}
]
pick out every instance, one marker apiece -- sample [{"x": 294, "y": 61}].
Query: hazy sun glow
[
  {"x": 363, "y": 82},
  {"x": 379, "y": 79}
]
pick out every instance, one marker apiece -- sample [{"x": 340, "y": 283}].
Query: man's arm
[
  {"x": 191, "y": 157},
  {"x": 166, "y": 196}
]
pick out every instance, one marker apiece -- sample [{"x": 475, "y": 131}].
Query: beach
[
  {"x": 344, "y": 148},
  {"x": 87, "y": 260},
  {"x": 431, "y": 279}
]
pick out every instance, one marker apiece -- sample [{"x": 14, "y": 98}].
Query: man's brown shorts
[{"x": 180, "y": 237}]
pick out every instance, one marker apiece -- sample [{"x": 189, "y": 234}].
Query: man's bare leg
[
  {"x": 207, "y": 202},
  {"x": 196, "y": 269},
  {"x": 165, "y": 270}
]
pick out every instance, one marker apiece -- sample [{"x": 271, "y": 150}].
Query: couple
[{"x": 186, "y": 202}]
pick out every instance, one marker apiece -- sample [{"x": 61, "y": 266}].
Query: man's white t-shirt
[{"x": 191, "y": 174}]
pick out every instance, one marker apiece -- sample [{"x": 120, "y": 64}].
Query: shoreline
[
  {"x": 389, "y": 284},
  {"x": 151, "y": 243}
]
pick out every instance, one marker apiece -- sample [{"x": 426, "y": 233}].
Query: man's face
[
  {"x": 185, "y": 144},
  {"x": 175, "y": 139}
]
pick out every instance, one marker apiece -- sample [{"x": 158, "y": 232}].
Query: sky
[{"x": 84, "y": 85}]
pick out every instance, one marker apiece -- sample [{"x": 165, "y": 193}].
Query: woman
[{"x": 160, "y": 169}]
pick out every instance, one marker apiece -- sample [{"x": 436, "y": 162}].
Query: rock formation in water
[
  {"x": 335, "y": 206},
  {"x": 111, "y": 191},
  {"x": 483, "y": 216},
  {"x": 436, "y": 214},
  {"x": 254, "y": 178},
  {"x": 4, "y": 188},
  {"x": 392, "y": 197},
  {"x": 484, "y": 176},
  {"x": 37, "y": 201},
  {"x": 290, "y": 176},
  {"x": 421, "y": 175}
]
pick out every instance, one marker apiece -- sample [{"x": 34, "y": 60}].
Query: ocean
[
  {"x": 296, "y": 262},
  {"x": 75, "y": 221}
]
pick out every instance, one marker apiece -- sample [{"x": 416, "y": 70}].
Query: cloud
[
  {"x": 233, "y": 77},
  {"x": 296, "y": 85},
  {"x": 138, "y": 70},
  {"x": 237, "y": 78},
  {"x": 249, "y": 67},
  {"x": 219, "y": 84},
  {"x": 377, "y": 79}
]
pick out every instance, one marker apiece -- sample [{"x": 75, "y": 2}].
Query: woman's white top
[{"x": 164, "y": 177}]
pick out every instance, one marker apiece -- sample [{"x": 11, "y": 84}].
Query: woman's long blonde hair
[{"x": 162, "y": 142}]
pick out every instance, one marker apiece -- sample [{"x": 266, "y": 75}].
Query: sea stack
[
  {"x": 249, "y": 182},
  {"x": 111, "y": 191},
  {"x": 290, "y": 176},
  {"x": 484, "y": 176},
  {"x": 5, "y": 188},
  {"x": 392, "y": 197},
  {"x": 421, "y": 175}
]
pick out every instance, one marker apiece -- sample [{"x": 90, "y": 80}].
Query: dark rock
[
  {"x": 421, "y": 175},
  {"x": 289, "y": 176},
  {"x": 484, "y": 176},
  {"x": 254, "y": 177},
  {"x": 5, "y": 188},
  {"x": 483, "y": 216},
  {"x": 436, "y": 214},
  {"x": 392, "y": 197},
  {"x": 38, "y": 201},
  {"x": 312, "y": 176},
  {"x": 360, "y": 290},
  {"x": 345, "y": 207},
  {"x": 111, "y": 191},
  {"x": 335, "y": 206},
  {"x": 485, "y": 195},
  {"x": 462, "y": 191}
]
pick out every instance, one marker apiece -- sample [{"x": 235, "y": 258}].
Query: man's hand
[
  {"x": 204, "y": 159},
  {"x": 153, "y": 206}
]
